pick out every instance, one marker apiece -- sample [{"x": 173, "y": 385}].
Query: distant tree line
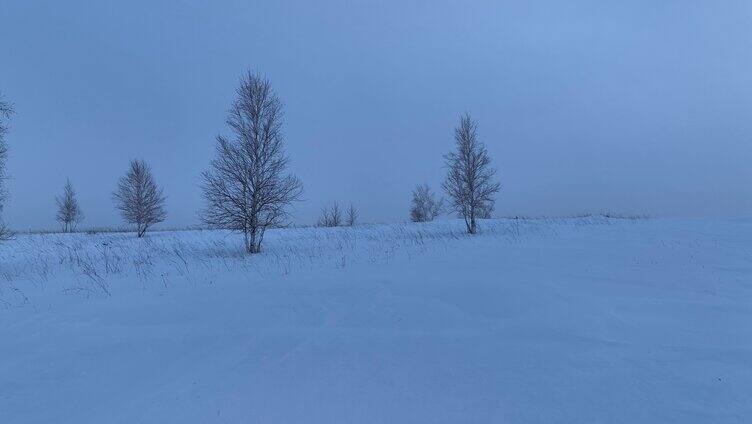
[
  {"x": 248, "y": 188},
  {"x": 332, "y": 216}
]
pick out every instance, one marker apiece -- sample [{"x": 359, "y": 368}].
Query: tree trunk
[
  {"x": 251, "y": 244},
  {"x": 472, "y": 227},
  {"x": 254, "y": 241}
]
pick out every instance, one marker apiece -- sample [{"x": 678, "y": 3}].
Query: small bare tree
[
  {"x": 6, "y": 110},
  {"x": 425, "y": 206},
  {"x": 470, "y": 178},
  {"x": 138, "y": 198},
  {"x": 331, "y": 216},
  {"x": 352, "y": 215},
  {"x": 68, "y": 212},
  {"x": 486, "y": 212},
  {"x": 247, "y": 187}
]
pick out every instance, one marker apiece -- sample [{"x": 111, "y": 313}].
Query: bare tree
[
  {"x": 68, "y": 212},
  {"x": 331, "y": 216},
  {"x": 352, "y": 215},
  {"x": 247, "y": 187},
  {"x": 138, "y": 198},
  {"x": 425, "y": 206},
  {"x": 470, "y": 177},
  {"x": 486, "y": 212},
  {"x": 6, "y": 110}
]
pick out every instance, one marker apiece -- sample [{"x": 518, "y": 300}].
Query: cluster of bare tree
[
  {"x": 248, "y": 188},
  {"x": 137, "y": 197},
  {"x": 332, "y": 216},
  {"x": 470, "y": 181}
]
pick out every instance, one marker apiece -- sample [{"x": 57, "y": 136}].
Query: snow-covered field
[{"x": 586, "y": 320}]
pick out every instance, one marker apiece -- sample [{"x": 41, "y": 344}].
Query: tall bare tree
[
  {"x": 470, "y": 178},
  {"x": 425, "y": 207},
  {"x": 248, "y": 187},
  {"x": 68, "y": 212},
  {"x": 331, "y": 216},
  {"x": 6, "y": 110},
  {"x": 138, "y": 198},
  {"x": 352, "y": 215}
]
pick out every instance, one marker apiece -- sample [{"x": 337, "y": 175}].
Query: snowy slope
[{"x": 577, "y": 321}]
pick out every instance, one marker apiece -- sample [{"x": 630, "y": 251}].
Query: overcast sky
[{"x": 630, "y": 106}]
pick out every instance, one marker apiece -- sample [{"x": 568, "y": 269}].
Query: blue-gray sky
[{"x": 631, "y": 106}]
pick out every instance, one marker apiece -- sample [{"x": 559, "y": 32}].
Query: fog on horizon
[{"x": 633, "y": 107}]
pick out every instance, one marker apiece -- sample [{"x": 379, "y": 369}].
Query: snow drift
[{"x": 572, "y": 320}]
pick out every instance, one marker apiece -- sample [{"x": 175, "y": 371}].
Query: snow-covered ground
[{"x": 585, "y": 320}]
